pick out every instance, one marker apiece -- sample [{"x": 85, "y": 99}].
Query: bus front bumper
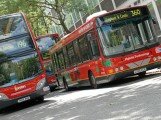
[
  {"x": 127, "y": 73},
  {"x": 32, "y": 96}
]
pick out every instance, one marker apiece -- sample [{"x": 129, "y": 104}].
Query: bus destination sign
[{"x": 126, "y": 14}]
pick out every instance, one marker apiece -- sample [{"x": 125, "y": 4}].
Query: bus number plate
[
  {"x": 139, "y": 70},
  {"x": 24, "y": 99}
]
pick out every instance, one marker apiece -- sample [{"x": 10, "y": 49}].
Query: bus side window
[
  {"x": 66, "y": 57},
  {"x": 84, "y": 48},
  {"x": 77, "y": 52},
  {"x": 71, "y": 54},
  {"x": 93, "y": 44},
  {"x": 61, "y": 59},
  {"x": 55, "y": 62}
]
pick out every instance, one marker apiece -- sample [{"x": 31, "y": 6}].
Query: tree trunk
[{"x": 65, "y": 27}]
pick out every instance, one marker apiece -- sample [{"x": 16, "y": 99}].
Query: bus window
[
  {"x": 54, "y": 63},
  {"x": 84, "y": 48},
  {"x": 48, "y": 68},
  {"x": 66, "y": 57},
  {"x": 77, "y": 51},
  {"x": 61, "y": 59},
  {"x": 125, "y": 36},
  {"x": 12, "y": 26},
  {"x": 93, "y": 44},
  {"x": 71, "y": 54},
  {"x": 146, "y": 31}
]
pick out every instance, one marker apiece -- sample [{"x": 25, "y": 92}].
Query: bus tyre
[
  {"x": 92, "y": 81},
  {"x": 142, "y": 74},
  {"x": 66, "y": 87},
  {"x": 40, "y": 99}
]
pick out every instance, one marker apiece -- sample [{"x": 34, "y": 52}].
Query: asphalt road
[{"x": 128, "y": 99}]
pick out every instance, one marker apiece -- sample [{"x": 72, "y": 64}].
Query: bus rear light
[
  {"x": 3, "y": 96},
  {"x": 41, "y": 84},
  {"x": 111, "y": 71}
]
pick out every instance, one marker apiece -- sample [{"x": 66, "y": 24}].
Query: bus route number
[
  {"x": 21, "y": 44},
  {"x": 136, "y": 12}
]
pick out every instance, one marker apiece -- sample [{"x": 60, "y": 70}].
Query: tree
[
  {"x": 38, "y": 12},
  {"x": 60, "y": 8}
]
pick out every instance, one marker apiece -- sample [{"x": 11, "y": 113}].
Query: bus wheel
[
  {"x": 40, "y": 99},
  {"x": 142, "y": 74},
  {"x": 92, "y": 80},
  {"x": 66, "y": 87}
]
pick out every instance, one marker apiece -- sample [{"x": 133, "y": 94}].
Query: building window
[
  {"x": 92, "y": 3},
  {"x": 158, "y": 2},
  {"x": 119, "y": 2}
]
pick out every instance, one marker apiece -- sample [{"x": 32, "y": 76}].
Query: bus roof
[
  {"x": 11, "y": 15},
  {"x": 87, "y": 26},
  {"x": 42, "y": 36},
  {"x": 73, "y": 35}
]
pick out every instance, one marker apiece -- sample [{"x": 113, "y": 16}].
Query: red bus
[
  {"x": 114, "y": 45},
  {"x": 45, "y": 43},
  {"x": 22, "y": 76}
]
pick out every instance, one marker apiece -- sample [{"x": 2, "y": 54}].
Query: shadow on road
[
  {"x": 115, "y": 83},
  {"x": 20, "y": 106}
]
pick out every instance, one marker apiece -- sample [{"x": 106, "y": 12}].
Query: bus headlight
[
  {"x": 155, "y": 59},
  {"x": 116, "y": 69},
  {"x": 3, "y": 96},
  {"x": 121, "y": 68},
  {"x": 41, "y": 84}
]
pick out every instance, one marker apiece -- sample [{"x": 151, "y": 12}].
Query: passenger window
[
  {"x": 77, "y": 51},
  {"x": 61, "y": 60},
  {"x": 66, "y": 57},
  {"x": 93, "y": 44},
  {"x": 55, "y": 62},
  {"x": 71, "y": 54},
  {"x": 84, "y": 48}
]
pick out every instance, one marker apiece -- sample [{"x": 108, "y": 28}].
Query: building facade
[{"x": 75, "y": 19}]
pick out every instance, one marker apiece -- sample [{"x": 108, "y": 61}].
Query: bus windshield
[
  {"x": 16, "y": 69},
  {"x": 11, "y": 26},
  {"x": 44, "y": 44},
  {"x": 120, "y": 36}
]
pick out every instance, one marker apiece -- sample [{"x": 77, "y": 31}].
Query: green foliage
[{"x": 38, "y": 12}]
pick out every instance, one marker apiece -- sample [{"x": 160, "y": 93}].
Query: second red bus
[
  {"x": 114, "y": 45},
  {"x": 44, "y": 43}
]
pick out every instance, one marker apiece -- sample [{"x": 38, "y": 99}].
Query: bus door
[
  {"x": 86, "y": 49},
  {"x": 69, "y": 64}
]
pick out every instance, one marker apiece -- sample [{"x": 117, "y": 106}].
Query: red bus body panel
[{"x": 22, "y": 89}]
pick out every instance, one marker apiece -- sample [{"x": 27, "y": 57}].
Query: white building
[{"x": 76, "y": 18}]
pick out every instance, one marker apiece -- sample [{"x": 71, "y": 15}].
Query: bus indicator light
[{"x": 111, "y": 71}]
